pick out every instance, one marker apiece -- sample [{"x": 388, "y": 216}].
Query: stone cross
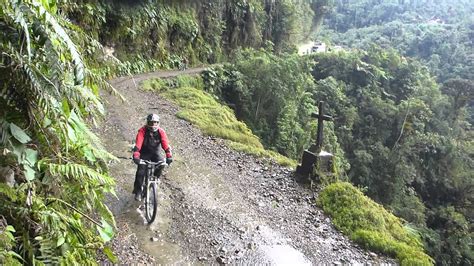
[
  {"x": 316, "y": 148},
  {"x": 311, "y": 155}
]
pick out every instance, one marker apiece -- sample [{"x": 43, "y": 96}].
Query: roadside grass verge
[
  {"x": 213, "y": 118},
  {"x": 369, "y": 224}
]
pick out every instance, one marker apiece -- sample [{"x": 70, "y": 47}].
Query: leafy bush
[
  {"x": 52, "y": 211},
  {"x": 137, "y": 65},
  {"x": 370, "y": 225},
  {"x": 7, "y": 242}
]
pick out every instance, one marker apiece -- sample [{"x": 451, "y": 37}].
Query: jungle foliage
[
  {"x": 424, "y": 173},
  {"x": 51, "y": 201},
  {"x": 150, "y": 35},
  {"x": 409, "y": 144},
  {"x": 439, "y": 33},
  {"x": 396, "y": 132},
  {"x": 271, "y": 94},
  {"x": 49, "y": 157}
]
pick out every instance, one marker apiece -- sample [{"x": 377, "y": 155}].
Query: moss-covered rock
[{"x": 369, "y": 224}]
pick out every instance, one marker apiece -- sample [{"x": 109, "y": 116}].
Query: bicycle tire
[{"x": 151, "y": 203}]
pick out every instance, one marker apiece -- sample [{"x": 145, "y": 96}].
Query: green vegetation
[
  {"x": 201, "y": 109},
  {"x": 262, "y": 152},
  {"x": 370, "y": 225},
  {"x": 275, "y": 96},
  {"x": 213, "y": 118},
  {"x": 48, "y": 154},
  {"x": 271, "y": 94},
  {"x": 151, "y": 35},
  {"x": 435, "y": 145},
  {"x": 438, "y": 33},
  {"x": 398, "y": 133},
  {"x": 51, "y": 205},
  {"x": 408, "y": 143}
]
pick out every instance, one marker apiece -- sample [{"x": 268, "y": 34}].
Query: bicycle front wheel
[{"x": 151, "y": 203}]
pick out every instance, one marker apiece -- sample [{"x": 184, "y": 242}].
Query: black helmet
[{"x": 152, "y": 121}]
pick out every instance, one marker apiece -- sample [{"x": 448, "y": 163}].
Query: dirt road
[{"x": 216, "y": 205}]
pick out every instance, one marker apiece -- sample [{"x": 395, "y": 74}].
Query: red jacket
[{"x": 141, "y": 139}]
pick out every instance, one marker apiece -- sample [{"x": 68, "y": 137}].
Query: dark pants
[{"x": 141, "y": 171}]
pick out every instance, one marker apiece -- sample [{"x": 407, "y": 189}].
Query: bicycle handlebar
[{"x": 159, "y": 163}]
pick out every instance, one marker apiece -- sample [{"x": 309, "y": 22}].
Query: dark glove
[
  {"x": 136, "y": 160},
  {"x": 169, "y": 160}
]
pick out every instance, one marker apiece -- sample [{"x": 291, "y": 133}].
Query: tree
[
  {"x": 271, "y": 94},
  {"x": 427, "y": 29},
  {"x": 461, "y": 93}
]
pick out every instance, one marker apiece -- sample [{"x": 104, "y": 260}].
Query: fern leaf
[
  {"x": 76, "y": 58},
  {"x": 96, "y": 145},
  {"x": 9, "y": 95},
  {"x": 47, "y": 248},
  {"x": 19, "y": 21},
  {"x": 76, "y": 171},
  {"x": 87, "y": 95}
]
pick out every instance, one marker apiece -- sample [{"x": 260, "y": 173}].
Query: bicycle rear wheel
[{"x": 151, "y": 202}]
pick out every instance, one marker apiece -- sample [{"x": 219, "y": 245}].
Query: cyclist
[
  {"x": 184, "y": 64},
  {"x": 147, "y": 147}
]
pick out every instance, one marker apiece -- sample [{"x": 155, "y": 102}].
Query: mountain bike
[{"x": 149, "y": 189}]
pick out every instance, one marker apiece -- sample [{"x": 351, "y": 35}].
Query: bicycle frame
[{"x": 150, "y": 169}]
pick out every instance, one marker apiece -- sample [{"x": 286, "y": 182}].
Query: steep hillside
[
  {"x": 402, "y": 137},
  {"x": 439, "y": 33},
  {"x": 150, "y": 35}
]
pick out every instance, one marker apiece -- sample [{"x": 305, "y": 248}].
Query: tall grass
[
  {"x": 212, "y": 117},
  {"x": 370, "y": 225}
]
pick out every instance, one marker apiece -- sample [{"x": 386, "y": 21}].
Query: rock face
[
  {"x": 215, "y": 205},
  {"x": 7, "y": 176}
]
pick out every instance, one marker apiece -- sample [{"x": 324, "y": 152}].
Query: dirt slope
[{"x": 216, "y": 205}]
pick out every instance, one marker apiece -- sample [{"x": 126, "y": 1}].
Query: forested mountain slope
[
  {"x": 395, "y": 132},
  {"x": 440, "y": 33},
  {"x": 399, "y": 134}
]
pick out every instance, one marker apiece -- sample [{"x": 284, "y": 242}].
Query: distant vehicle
[{"x": 317, "y": 47}]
